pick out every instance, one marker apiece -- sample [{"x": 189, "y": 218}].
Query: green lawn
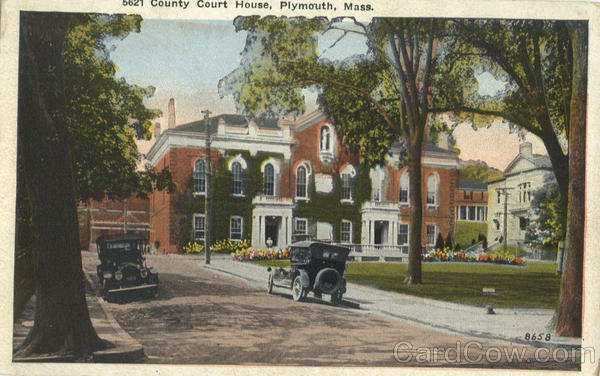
[{"x": 535, "y": 287}]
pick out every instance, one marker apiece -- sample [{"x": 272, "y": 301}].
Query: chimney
[
  {"x": 171, "y": 113},
  {"x": 443, "y": 142},
  {"x": 156, "y": 129},
  {"x": 525, "y": 150}
]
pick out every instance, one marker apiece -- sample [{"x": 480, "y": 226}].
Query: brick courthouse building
[{"x": 282, "y": 181}]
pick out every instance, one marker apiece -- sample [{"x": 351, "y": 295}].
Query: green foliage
[
  {"x": 551, "y": 224},
  {"x": 105, "y": 115},
  {"x": 222, "y": 195},
  {"x": 480, "y": 171},
  {"x": 329, "y": 207},
  {"x": 468, "y": 232},
  {"x": 510, "y": 252},
  {"x": 229, "y": 246},
  {"x": 439, "y": 241},
  {"x": 193, "y": 248}
]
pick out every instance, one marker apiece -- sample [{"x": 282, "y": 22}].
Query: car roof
[
  {"x": 119, "y": 238},
  {"x": 319, "y": 245}
]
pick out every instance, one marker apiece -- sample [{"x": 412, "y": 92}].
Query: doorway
[{"x": 272, "y": 225}]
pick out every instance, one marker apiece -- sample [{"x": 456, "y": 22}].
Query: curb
[{"x": 127, "y": 349}]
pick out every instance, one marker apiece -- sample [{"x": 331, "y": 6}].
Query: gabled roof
[
  {"x": 472, "y": 185},
  {"x": 538, "y": 161}
]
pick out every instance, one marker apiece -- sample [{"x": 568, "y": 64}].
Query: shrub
[{"x": 193, "y": 248}]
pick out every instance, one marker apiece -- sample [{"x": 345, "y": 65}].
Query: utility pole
[
  {"x": 505, "y": 193},
  {"x": 207, "y": 195}
]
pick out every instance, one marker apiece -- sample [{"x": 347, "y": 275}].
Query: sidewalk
[
  {"x": 125, "y": 349},
  {"x": 508, "y": 325}
]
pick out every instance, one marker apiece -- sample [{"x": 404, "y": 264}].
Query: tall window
[
  {"x": 463, "y": 213},
  {"x": 269, "y": 188},
  {"x": 301, "y": 182},
  {"x": 235, "y": 228},
  {"x": 404, "y": 186},
  {"x": 471, "y": 213},
  {"x": 402, "y": 234},
  {"x": 431, "y": 234},
  {"x": 236, "y": 170},
  {"x": 199, "y": 227},
  {"x": 498, "y": 192},
  {"x": 200, "y": 176},
  {"x": 346, "y": 232},
  {"x": 346, "y": 187},
  {"x": 432, "y": 191},
  {"x": 524, "y": 192},
  {"x": 325, "y": 139}
]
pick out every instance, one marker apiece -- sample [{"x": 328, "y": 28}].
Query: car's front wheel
[{"x": 298, "y": 291}]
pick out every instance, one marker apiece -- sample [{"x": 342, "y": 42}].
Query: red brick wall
[
  {"x": 444, "y": 216},
  {"x": 308, "y": 150},
  {"x": 476, "y": 200},
  {"x": 166, "y": 218}
]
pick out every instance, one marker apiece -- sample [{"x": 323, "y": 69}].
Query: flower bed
[
  {"x": 261, "y": 254},
  {"x": 448, "y": 255},
  {"x": 221, "y": 246}
]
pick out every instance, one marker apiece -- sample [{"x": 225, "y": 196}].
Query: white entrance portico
[{"x": 272, "y": 219}]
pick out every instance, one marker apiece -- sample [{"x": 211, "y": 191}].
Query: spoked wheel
[
  {"x": 270, "y": 283},
  {"x": 298, "y": 291},
  {"x": 337, "y": 297}
]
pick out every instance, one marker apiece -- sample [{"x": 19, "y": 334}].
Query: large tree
[
  {"x": 375, "y": 100},
  {"x": 76, "y": 127},
  {"x": 544, "y": 66}
]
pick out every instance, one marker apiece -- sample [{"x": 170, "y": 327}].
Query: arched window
[
  {"x": 347, "y": 174},
  {"x": 325, "y": 139},
  {"x": 200, "y": 176},
  {"x": 269, "y": 175},
  {"x": 236, "y": 170},
  {"x": 301, "y": 181},
  {"x": 404, "y": 187},
  {"x": 433, "y": 188}
]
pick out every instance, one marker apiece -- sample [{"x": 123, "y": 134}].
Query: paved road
[
  {"x": 205, "y": 317},
  {"x": 507, "y": 325}
]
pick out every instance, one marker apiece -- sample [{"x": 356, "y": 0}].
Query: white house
[{"x": 523, "y": 176}]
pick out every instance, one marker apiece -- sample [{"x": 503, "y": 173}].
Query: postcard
[{"x": 313, "y": 187}]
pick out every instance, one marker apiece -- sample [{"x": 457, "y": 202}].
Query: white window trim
[
  {"x": 436, "y": 196},
  {"x": 405, "y": 204},
  {"x": 351, "y": 171},
  {"x": 199, "y": 193},
  {"x": 308, "y": 174},
  {"x": 305, "y": 220},
  {"x": 407, "y": 234},
  {"x": 342, "y": 232},
  {"x": 239, "y": 159},
  {"x": 194, "y": 226},
  {"x": 241, "y": 227},
  {"x": 435, "y": 234}
]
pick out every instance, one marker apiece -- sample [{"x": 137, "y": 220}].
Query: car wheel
[
  {"x": 337, "y": 297},
  {"x": 270, "y": 283},
  {"x": 154, "y": 293},
  {"x": 298, "y": 291}
]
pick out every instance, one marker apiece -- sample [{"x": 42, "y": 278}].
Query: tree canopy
[{"x": 105, "y": 115}]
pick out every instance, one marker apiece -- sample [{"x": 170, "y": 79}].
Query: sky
[{"x": 186, "y": 59}]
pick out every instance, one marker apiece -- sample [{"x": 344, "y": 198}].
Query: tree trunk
[
  {"x": 570, "y": 309},
  {"x": 62, "y": 323},
  {"x": 413, "y": 268}
]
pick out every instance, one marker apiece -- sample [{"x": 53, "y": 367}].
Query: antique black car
[
  {"x": 123, "y": 267},
  {"x": 316, "y": 267}
]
